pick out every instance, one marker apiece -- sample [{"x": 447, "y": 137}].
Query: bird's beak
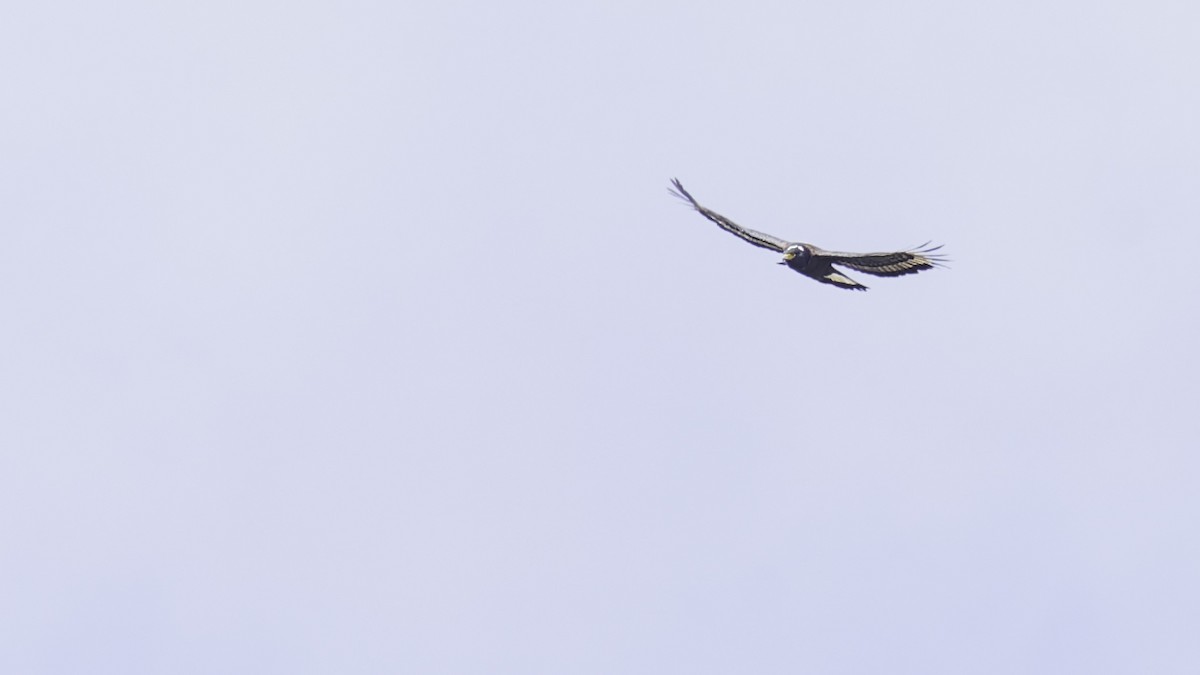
[{"x": 781, "y": 262}]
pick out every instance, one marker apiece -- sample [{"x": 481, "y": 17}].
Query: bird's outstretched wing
[
  {"x": 891, "y": 264},
  {"x": 757, "y": 238}
]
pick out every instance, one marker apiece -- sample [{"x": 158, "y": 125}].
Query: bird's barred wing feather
[
  {"x": 890, "y": 264},
  {"x": 757, "y": 238}
]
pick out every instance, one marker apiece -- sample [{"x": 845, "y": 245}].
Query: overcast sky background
[{"x": 363, "y": 337}]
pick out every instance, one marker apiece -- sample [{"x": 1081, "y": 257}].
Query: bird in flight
[{"x": 817, "y": 263}]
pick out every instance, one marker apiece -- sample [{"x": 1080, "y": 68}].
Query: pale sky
[{"x": 363, "y": 337}]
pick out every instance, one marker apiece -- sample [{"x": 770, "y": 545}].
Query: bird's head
[{"x": 795, "y": 256}]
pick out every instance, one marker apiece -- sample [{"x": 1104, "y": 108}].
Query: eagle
[{"x": 817, "y": 263}]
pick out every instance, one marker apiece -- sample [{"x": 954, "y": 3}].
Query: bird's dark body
[{"x": 817, "y": 263}]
